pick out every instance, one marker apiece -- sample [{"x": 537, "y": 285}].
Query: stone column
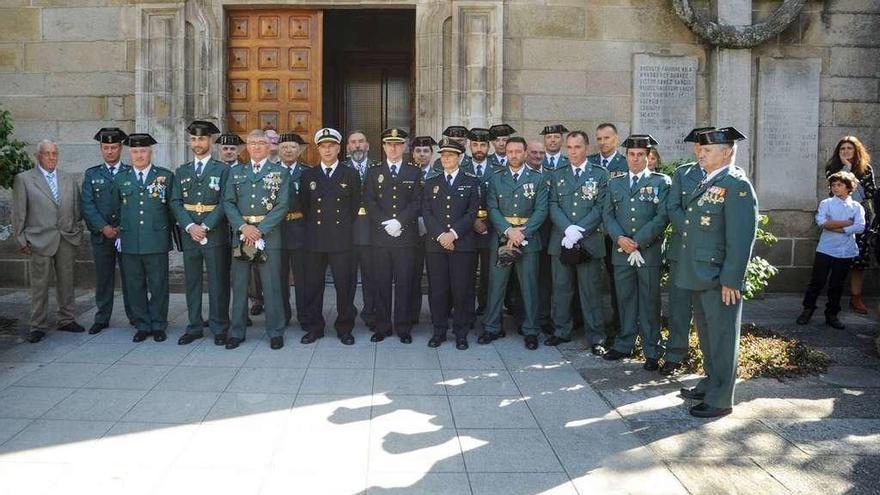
[
  {"x": 160, "y": 87},
  {"x": 730, "y": 76}
]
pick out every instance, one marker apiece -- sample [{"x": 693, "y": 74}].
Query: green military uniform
[
  {"x": 100, "y": 207},
  {"x": 616, "y": 165},
  {"x": 260, "y": 199},
  {"x": 146, "y": 223},
  {"x": 198, "y": 199},
  {"x": 639, "y": 213},
  {"x": 554, "y": 163},
  {"x": 515, "y": 203},
  {"x": 718, "y": 233},
  {"x": 578, "y": 200},
  {"x": 685, "y": 180}
]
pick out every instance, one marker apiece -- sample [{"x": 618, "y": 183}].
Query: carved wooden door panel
[{"x": 274, "y": 72}]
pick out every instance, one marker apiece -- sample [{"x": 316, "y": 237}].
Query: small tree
[{"x": 13, "y": 157}]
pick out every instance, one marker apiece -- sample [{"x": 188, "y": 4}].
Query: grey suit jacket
[{"x": 36, "y": 219}]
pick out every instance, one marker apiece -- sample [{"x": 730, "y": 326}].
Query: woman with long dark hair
[{"x": 850, "y": 155}]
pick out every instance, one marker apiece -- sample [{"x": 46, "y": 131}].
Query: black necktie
[
  {"x": 515, "y": 176},
  {"x": 634, "y": 181},
  {"x": 112, "y": 171},
  {"x": 394, "y": 171},
  {"x": 577, "y": 173},
  {"x": 199, "y": 166},
  {"x": 327, "y": 170},
  {"x": 552, "y": 162},
  {"x": 479, "y": 170},
  {"x": 141, "y": 177},
  {"x": 605, "y": 162},
  {"x": 449, "y": 180}
]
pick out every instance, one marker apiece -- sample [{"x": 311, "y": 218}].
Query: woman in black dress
[{"x": 850, "y": 155}]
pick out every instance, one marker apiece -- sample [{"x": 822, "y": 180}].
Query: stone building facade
[{"x": 68, "y": 67}]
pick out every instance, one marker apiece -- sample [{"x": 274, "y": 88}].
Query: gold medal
[{"x": 705, "y": 221}]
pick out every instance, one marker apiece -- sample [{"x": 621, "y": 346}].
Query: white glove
[
  {"x": 260, "y": 244},
  {"x": 118, "y": 244},
  {"x": 635, "y": 259},
  {"x": 574, "y": 232},
  {"x": 392, "y": 227},
  {"x": 422, "y": 229},
  {"x": 567, "y": 243}
]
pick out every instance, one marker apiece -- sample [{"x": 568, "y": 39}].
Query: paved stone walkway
[{"x": 100, "y": 414}]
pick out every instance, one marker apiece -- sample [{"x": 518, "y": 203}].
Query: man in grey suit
[{"x": 47, "y": 224}]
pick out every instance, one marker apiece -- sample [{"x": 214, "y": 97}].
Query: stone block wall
[{"x": 68, "y": 67}]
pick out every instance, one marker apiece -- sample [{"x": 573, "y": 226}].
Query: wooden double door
[{"x": 274, "y": 72}]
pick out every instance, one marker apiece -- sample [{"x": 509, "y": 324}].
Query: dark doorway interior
[{"x": 368, "y": 71}]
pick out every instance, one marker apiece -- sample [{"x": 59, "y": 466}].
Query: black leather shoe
[
  {"x": 692, "y": 394},
  {"x": 346, "y": 339},
  {"x": 256, "y": 309},
  {"x": 703, "y": 410},
  {"x": 232, "y": 342},
  {"x": 651, "y": 364},
  {"x": 436, "y": 341},
  {"x": 220, "y": 339},
  {"x": 834, "y": 322},
  {"x": 614, "y": 355},
  {"x": 531, "y": 342},
  {"x": 598, "y": 349},
  {"x": 377, "y": 337},
  {"x": 140, "y": 336},
  {"x": 461, "y": 344},
  {"x": 160, "y": 336},
  {"x": 486, "y": 338},
  {"x": 189, "y": 338},
  {"x": 276, "y": 343},
  {"x": 669, "y": 368},
  {"x": 72, "y": 327},
  {"x": 311, "y": 337},
  {"x": 97, "y": 327},
  {"x": 35, "y": 336},
  {"x": 406, "y": 339},
  {"x": 805, "y": 316},
  {"x": 554, "y": 340}
]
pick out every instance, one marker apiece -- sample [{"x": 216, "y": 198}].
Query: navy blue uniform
[
  {"x": 389, "y": 196},
  {"x": 451, "y": 273},
  {"x": 330, "y": 206},
  {"x": 292, "y": 241},
  {"x": 362, "y": 256}
]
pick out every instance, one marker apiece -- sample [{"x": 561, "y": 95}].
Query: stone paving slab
[{"x": 96, "y": 414}]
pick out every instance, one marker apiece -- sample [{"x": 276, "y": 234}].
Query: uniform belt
[
  {"x": 517, "y": 221},
  {"x": 294, "y": 215},
  {"x": 199, "y": 208},
  {"x": 252, "y": 219},
  {"x": 362, "y": 212},
  {"x": 482, "y": 213}
]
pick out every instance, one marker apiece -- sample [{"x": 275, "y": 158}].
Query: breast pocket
[{"x": 711, "y": 218}]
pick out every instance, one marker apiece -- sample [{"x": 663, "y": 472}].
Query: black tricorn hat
[
  {"x": 480, "y": 135},
  {"x": 291, "y": 137},
  {"x": 574, "y": 256},
  {"x": 692, "y": 136},
  {"x": 110, "y": 135},
  {"x": 508, "y": 256},
  {"x": 501, "y": 130},
  {"x": 450, "y": 145},
  {"x": 456, "y": 131},
  {"x": 725, "y": 135},
  {"x": 229, "y": 139},
  {"x": 140, "y": 140},
  {"x": 554, "y": 129},
  {"x": 645, "y": 141},
  {"x": 202, "y": 128},
  {"x": 423, "y": 141}
]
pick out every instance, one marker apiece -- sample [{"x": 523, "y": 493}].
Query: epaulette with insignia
[
  {"x": 468, "y": 174},
  {"x": 375, "y": 164},
  {"x": 411, "y": 164},
  {"x": 500, "y": 169}
]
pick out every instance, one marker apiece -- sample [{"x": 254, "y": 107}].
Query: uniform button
[
  {"x": 142, "y": 222},
  {"x": 634, "y": 230},
  {"x": 573, "y": 213},
  {"x": 448, "y": 207},
  {"x": 711, "y": 259},
  {"x": 394, "y": 215},
  {"x": 514, "y": 206},
  {"x": 632, "y": 219},
  {"x": 448, "y": 226},
  {"x": 319, "y": 222},
  {"x": 319, "y": 210},
  {"x": 450, "y": 197},
  {"x": 319, "y": 200},
  {"x": 448, "y": 216},
  {"x": 632, "y": 200},
  {"x": 337, "y": 211},
  {"x": 142, "y": 203},
  {"x": 691, "y": 209},
  {"x": 684, "y": 234},
  {"x": 338, "y": 199},
  {"x": 141, "y": 212},
  {"x": 252, "y": 206},
  {"x": 632, "y": 209},
  {"x": 394, "y": 196},
  {"x": 199, "y": 193},
  {"x": 575, "y": 204},
  {"x": 684, "y": 245},
  {"x": 394, "y": 188},
  {"x": 687, "y": 222},
  {"x": 337, "y": 222},
  {"x": 253, "y": 195}
]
